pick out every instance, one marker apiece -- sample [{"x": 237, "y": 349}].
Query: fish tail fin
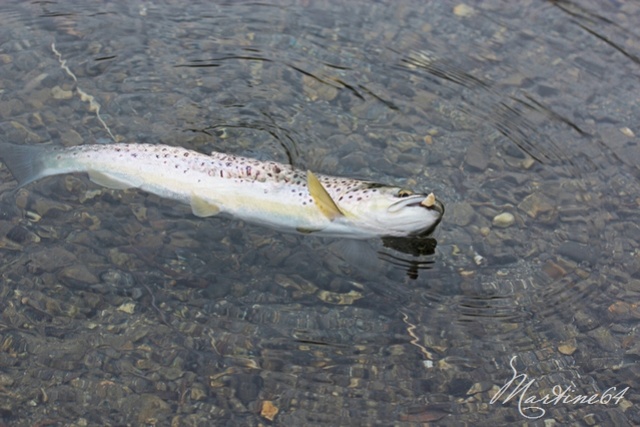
[{"x": 25, "y": 162}]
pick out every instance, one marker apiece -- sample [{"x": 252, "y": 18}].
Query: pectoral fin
[
  {"x": 321, "y": 198},
  {"x": 110, "y": 181},
  {"x": 203, "y": 208}
]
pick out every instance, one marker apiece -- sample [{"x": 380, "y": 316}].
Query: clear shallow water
[{"x": 123, "y": 308}]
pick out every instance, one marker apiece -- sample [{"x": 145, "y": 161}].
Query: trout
[{"x": 260, "y": 192}]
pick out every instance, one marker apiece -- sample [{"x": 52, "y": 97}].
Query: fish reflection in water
[
  {"x": 410, "y": 254},
  {"x": 415, "y": 253}
]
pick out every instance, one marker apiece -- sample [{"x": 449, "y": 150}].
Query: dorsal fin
[{"x": 321, "y": 198}]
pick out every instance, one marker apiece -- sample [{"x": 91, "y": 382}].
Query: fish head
[{"x": 394, "y": 211}]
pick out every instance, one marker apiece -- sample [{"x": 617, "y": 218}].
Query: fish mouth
[
  {"x": 430, "y": 202},
  {"x": 426, "y": 202}
]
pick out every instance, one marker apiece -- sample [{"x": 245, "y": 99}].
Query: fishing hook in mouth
[{"x": 429, "y": 202}]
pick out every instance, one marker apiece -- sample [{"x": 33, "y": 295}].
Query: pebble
[
  {"x": 58, "y": 93},
  {"x": 567, "y": 349},
  {"x": 317, "y": 90},
  {"x": 127, "y": 307},
  {"x": 627, "y": 132},
  {"x": 578, "y": 252},
  {"x": 477, "y": 157},
  {"x": 9, "y": 244},
  {"x": 604, "y": 339},
  {"x": 269, "y": 410},
  {"x": 463, "y": 10},
  {"x": 149, "y": 408},
  {"x": 78, "y": 273},
  {"x": 198, "y": 392},
  {"x": 554, "y": 270},
  {"x": 624, "y": 311},
  {"x": 50, "y": 259},
  {"x": 461, "y": 213},
  {"x": 6, "y": 380},
  {"x": 71, "y": 138},
  {"x": 504, "y": 220},
  {"x": 535, "y": 204},
  {"x": 21, "y": 235}
]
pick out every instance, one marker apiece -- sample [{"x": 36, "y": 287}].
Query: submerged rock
[
  {"x": 504, "y": 220},
  {"x": 536, "y": 204}
]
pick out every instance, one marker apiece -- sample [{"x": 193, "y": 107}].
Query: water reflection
[{"x": 420, "y": 250}]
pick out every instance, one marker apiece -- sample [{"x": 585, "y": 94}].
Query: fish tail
[{"x": 25, "y": 162}]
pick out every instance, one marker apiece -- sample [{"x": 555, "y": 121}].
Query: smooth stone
[
  {"x": 58, "y": 93},
  {"x": 78, "y": 274},
  {"x": 477, "y": 157},
  {"x": 535, "y": 204},
  {"x": 578, "y": 252},
  {"x": 461, "y": 213},
  {"x": 504, "y": 220}
]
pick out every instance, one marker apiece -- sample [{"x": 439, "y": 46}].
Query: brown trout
[{"x": 267, "y": 193}]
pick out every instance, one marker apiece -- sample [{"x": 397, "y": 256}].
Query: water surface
[{"x": 122, "y": 308}]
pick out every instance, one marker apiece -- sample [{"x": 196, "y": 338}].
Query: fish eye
[{"x": 404, "y": 193}]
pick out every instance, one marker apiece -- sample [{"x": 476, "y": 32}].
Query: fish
[{"x": 268, "y": 193}]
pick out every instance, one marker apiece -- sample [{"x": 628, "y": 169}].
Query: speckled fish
[{"x": 267, "y": 193}]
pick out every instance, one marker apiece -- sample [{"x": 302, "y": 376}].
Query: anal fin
[{"x": 203, "y": 208}]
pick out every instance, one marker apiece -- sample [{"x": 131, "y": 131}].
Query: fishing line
[{"x": 94, "y": 106}]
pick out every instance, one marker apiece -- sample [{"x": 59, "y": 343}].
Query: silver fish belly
[{"x": 267, "y": 193}]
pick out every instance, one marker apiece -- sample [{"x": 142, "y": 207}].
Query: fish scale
[{"x": 267, "y": 193}]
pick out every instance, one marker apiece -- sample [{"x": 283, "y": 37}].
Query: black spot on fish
[{"x": 186, "y": 154}]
